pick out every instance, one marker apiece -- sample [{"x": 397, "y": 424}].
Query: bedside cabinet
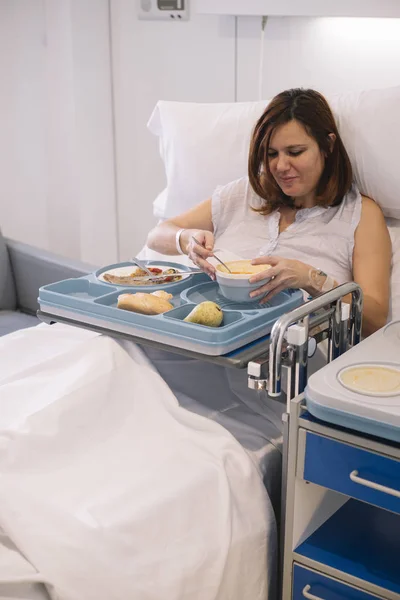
[{"x": 342, "y": 513}]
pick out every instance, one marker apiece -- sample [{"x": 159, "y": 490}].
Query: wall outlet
[{"x": 163, "y": 10}]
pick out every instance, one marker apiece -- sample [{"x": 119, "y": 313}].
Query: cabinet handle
[
  {"x": 375, "y": 486},
  {"x": 306, "y": 593}
]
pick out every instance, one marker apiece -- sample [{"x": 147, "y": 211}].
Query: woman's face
[{"x": 296, "y": 162}]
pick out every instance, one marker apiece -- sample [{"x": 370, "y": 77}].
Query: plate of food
[{"x": 132, "y": 275}]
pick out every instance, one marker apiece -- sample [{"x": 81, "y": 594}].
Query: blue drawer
[
  {"x": 314, "y": 586},
  {"x": 358, "y": 473}
]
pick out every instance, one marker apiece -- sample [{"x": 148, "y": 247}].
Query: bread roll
[
  {"x": 145, "y": 304},
  {"x": 162, "y": 294}
]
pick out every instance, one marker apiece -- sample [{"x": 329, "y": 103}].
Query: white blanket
[{"x": 111, "y": 490}]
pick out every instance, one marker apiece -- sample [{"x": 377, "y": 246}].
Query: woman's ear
[{"x": 331, "y": 141}]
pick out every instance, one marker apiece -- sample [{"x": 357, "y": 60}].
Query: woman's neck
[{"x": 308, "y": 201}]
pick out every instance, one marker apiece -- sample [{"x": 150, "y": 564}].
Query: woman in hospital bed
[
  {"x": 299, "y": 212},
  {"x": 109, "y": 488}
]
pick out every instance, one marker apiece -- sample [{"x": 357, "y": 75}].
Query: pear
[{"x": 206, "y": 313}]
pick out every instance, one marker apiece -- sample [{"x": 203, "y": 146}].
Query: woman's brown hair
[{"x": 311, "y": 110}]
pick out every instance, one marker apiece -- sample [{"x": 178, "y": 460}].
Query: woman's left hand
[{"x": 283, "y": 273}]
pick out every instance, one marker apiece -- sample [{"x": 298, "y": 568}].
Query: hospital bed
[{"x": 218, "y": 150}]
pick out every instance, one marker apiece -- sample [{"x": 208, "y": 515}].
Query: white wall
[
  {"x": 153, "y": 60},
  {"x": 22, "y": 122},
  {"x": 56, "y": 145},
  {"x": 329, "y": 54},
  {"x": 79, "y": 79}
]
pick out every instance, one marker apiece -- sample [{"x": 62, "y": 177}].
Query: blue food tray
[{"x": 88, "y": 300}]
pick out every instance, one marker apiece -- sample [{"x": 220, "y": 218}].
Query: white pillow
[
  {"x": 369, "y": 124},
  {"x": 203, "y": 145}
]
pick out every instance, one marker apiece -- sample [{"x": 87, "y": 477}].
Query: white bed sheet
[
  {"x": 112, "y": 490},
  {"x": 19, "y": 580}
]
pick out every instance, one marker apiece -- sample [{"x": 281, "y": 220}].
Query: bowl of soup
[{"x": 235, "y": 286}]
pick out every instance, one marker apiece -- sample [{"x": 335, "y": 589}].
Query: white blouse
[{"x": 321, "y": 237}]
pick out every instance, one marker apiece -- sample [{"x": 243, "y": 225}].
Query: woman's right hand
[{"x": 199, "y": 252}]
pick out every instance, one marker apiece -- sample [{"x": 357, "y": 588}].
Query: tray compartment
[
  {"x": 259, "y": 313},
  {"x": 73, "y": 292},
  {"x": 110, "y": 300},
  {"x": 203, "y": 291},
  {"x": 235, "y": 323},
  {"x": 107, "y": 306},
  {"x": 230, "y": 317}
]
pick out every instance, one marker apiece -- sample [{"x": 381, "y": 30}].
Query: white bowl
[{"x": 236, "y": 286}]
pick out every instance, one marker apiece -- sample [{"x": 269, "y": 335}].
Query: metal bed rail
[{"x": 295, "y": 335}]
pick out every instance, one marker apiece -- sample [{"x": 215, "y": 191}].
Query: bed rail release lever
[{"x": 257, "y": 371}]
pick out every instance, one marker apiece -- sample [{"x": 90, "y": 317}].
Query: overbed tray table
[{"x": 91, "y": 303}]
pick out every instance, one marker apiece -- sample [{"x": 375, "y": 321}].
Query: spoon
[{"x": 216, "y": 257}]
